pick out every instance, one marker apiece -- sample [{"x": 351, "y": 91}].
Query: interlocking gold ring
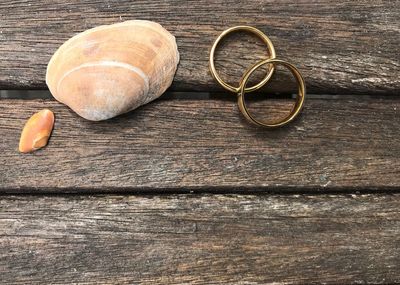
[
  {"x": 299, "y": 99},
  {"x": 260, "y": 35}
]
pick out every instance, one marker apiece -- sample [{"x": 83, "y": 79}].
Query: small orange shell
[{"x": 36, "y": 132}]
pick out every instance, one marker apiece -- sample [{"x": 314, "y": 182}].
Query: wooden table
[{"x": 183, "y": 190}]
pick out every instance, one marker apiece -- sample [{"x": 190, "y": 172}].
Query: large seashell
[{"x": 110, "y": 70}]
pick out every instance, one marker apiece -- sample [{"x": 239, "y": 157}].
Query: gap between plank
[{"x": 195, "y": 95}]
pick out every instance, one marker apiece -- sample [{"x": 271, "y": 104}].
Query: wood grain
[
  {"x": 341, "y": 46},
  {"x": 205, "y": 145},
  {"x": 189, "y": 239}
]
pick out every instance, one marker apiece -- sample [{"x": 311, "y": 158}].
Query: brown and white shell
[{"x": 110, "y": 70}]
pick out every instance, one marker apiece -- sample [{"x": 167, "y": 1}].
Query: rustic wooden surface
[
  {"x": 217, "y": 239},
  {"x": 312, "y": 234},
  {"x": 198, "y": 145},
  {"x": 341, "y": 46}
]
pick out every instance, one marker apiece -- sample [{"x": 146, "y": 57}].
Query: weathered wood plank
[
  {"x": 200, "y": 239},
  {"x": 206, "y": 145},
  {"x": 341, "y": 46}
]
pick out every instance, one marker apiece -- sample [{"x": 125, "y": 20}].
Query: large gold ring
[
  {"x": 260, "y": 35},
  {"x": 299, "y": 99}
]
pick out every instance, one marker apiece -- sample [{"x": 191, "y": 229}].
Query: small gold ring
[
  {"x": 299, "y": 99},
  {"x": 260, "y": 35}
]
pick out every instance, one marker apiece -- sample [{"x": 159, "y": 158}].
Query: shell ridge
[
  {"x": 130, "y": 67},
  {"x": 171, "y": 37}
]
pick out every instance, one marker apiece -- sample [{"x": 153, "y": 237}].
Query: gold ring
[
  {"x": 299, "y": 99},
  {"x": 260, "y": 35}
]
